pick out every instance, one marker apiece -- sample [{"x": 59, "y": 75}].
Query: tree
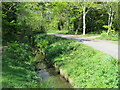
[
  {"x": 9, "y": 21},
  {"x": 22, "y": 20},
  {"x": 110, "y": 8},
  {"x": 85, "y": 8}
]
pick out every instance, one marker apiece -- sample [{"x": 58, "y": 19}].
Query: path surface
[{"x": 101, "y": 45}]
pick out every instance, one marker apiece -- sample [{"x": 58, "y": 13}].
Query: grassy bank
[
  {"x": 85, "y": 66},
  {"x": 112, "y": 35},
  {"x": 58, "y": 31},
  {"x": 17, "y": 71},
  {"x": 116, "y": 42}
]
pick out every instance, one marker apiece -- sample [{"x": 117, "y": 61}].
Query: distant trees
[
  {"x": 26, "y": 19},
  {"x": 74, "y": 16}
]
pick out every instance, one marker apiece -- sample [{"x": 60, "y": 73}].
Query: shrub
[
  {"x": 111, "y": 36},
  {"x": 19, "y": 52}
]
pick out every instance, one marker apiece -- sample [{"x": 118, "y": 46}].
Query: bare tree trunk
[
  {"x": 110, "y": 19},
  {"x": 84, "y": 24},
  {"x": 76, "y": 32}
]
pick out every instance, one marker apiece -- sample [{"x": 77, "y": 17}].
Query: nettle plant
[{"x": 40, "y": 43}]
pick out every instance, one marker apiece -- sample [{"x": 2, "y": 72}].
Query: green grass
[
  {"x": 58, "y": 31},
  {"x": 66, "y": 32},
  {"x": 87, "y": 35},
  {"x": 87, "y": 67},
  {"x": 112, "y": 37},
  {"x": 116, "y": 42},
  {"x": 15, "y": 77},
  {"x": 16, "y": 70}
]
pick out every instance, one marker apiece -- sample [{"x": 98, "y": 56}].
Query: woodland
[{"x": 27, "y": 47}]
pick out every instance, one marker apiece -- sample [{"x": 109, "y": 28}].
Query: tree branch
[{"x": 9, "y": 9}]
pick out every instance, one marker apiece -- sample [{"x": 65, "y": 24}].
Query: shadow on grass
[{"x": 13, "y": 75}]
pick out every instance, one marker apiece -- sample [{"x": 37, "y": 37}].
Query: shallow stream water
[{"x": 51, "y": 77}]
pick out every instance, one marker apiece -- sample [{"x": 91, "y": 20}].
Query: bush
[
  {"x": 112, "y": 35},
  {"x": 19, "y": 52}
]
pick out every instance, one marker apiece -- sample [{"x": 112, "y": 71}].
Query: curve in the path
[{"x": 101, "y": 45}]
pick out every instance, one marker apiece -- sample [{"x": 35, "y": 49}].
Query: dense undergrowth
[
  {"x": 17, "y": 69},
  {"x": 87, "y": 67},
  {"x": 114, "y": 36}
]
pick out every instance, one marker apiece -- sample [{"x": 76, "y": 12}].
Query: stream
[{"x": 51, "y": 77}]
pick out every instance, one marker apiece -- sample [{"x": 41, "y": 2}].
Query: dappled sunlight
[{"x": 59, "y": 44}]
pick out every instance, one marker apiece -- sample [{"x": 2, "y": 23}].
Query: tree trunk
[
  {"x": 110, "y": 19},
  {"x": 76, "y": 31},
  {"x": 84, "y": 24}
]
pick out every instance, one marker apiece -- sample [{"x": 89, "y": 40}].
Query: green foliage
[
  {"x": 15, "y": 67},
  {"x": 8, "y": 22},
  {"x": 18, "y": 52},
  {"x": 18, "y": 70},
  {"x": 58, "y": 32},
  {"x": 41, "y": 44},
  {"x": 106, "y": 26},
  {"x": 20, "y": 21},
  {"x": 87, "y": 67},
  {"x": 113, "y": 35},
  {"x": 26, "y": 19}
]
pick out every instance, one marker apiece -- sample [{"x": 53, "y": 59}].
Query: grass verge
[
  {"x": 58, "y": 31},
  {"x": 116, "y": 42}
]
